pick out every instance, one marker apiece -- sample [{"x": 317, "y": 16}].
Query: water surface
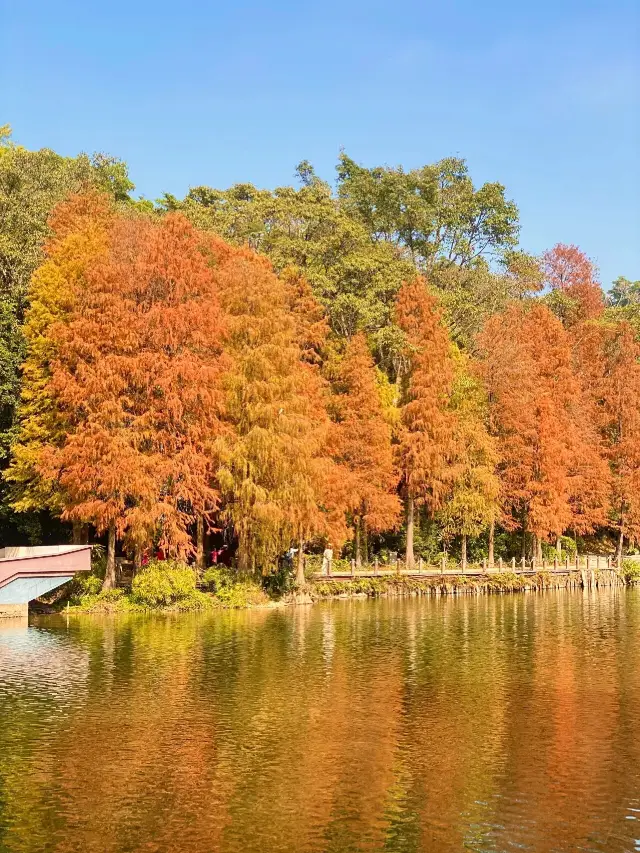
[{"x": 502, "y": 723}]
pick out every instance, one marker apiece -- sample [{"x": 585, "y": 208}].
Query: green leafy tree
[
  {"x": 434, "y": 213},
  {"x": 354, "y": 277}
]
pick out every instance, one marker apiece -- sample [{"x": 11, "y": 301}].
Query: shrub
[
  {"x": 109, "y": 601},
  {"x": 216, "y": 577},
  {"x": 165, "y": 582},
  {"x": 241, "y": 594},
  {"x": 87, "y": 584},
  {"x": 630, "y": 571}
]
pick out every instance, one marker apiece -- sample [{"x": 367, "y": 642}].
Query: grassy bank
[
  {"x": 170, "y": 587},
  {"x": 164, "y": 586}
]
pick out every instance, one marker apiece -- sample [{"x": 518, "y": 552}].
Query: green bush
[
  {"x": 241, "y": 594},
  {"x": 630, "y": 571},
  {"x": 163, "y": 583},
  {"x": 88, "y": 584},
  {"x": 109, "y": 601},
  {"x": 216, "y": 577}
]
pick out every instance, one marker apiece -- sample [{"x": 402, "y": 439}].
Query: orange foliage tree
[
  {"x": 608, "y": 356},
  {"x": 311, "y": 326},
  {"x": 548, "y": 448},
  {"x": 137, "y": 372},
  {"x": 572, "y": 277},
  {"x": 79, "y": 235},
  {"x": 275, "y": 474},
  {"x": 426, "y": 450},
  {"x": 362, "y": 445}
]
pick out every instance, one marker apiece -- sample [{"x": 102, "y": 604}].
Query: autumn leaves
[{"x": 174, "y": 382}]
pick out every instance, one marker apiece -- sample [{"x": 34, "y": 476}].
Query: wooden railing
[{"x": 581, "y": 562}]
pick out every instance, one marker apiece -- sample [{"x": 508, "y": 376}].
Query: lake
[{"x": 499, "y": 723}]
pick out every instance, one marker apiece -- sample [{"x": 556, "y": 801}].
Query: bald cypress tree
[
  {"x": 274, "y": 459},
  {"x": 135, "y": 374},
  {"x": 426, "y": 450},
  {"x": 362, "y": 445}
]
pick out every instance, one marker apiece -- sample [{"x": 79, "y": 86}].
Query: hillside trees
[
  {"x": 434, "y": 213},
  {"x": 426, "y": 450},
  {"x": 362, "y": 445},
  {"x": 357, "y": 246},
  {"x": 354, "y": 278}
]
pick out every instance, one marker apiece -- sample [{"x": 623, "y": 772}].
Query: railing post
[
  {"x": 524, "y": 563},
  {"x": 353, "y": 567},
  {"x": 499, "y": 564},
  {"x": 513, "y": 564},
  {"x": 555, "y": 564},
  {"x": 420, "y": 565},
  {"x": 566, "y": 562},
  {"x": 375, "y": 566},
  {"x": 443, "y": 564}
]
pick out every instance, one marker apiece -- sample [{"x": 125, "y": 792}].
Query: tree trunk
[
  {"x": 539, "y": 551},
  {"x": 559, "y": 548},
  {"x": 80, "y": 534},
  {"x": 365, "y": 542},
  {"x": 137, "y": 559},
  {"x": 200, "y": 561},
  {"x": 464, "y": 552},
  {"x": 534, "y": 549},
  {"x": 409, "y": 557},
  {"x": 110, "y": 575},
  {"x": 492, "y": 536},
  {"x": 620, "y": 547},
  {"x": 300, "y": 578},
  {"x": 357, "y": 543}
]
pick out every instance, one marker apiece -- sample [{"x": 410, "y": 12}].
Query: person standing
[{"x": 327, "y": 560}]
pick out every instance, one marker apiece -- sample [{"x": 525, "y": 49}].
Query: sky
[{"x": 542, "y": 96}]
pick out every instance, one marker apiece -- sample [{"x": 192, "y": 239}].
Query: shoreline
[{"x": 389, "y": 586}]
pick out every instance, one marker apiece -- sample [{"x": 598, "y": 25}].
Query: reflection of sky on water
[{"x": 35, "y": 661}]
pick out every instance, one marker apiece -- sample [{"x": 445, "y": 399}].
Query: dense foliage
[{"x": 284, "y": 371}]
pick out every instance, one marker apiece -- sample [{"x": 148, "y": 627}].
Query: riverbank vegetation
[{"x": 377, "y": 367}]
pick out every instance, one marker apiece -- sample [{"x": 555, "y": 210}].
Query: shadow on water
[{"x": 489, "y": 724}]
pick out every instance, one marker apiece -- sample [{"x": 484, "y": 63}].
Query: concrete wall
[
  {"x": 14, "y": 610},
  {"x": 23, "y": 590}
]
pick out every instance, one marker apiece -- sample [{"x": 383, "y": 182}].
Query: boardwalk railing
[{"x": 582, "y": 562}]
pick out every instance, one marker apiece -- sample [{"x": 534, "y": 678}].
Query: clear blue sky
[{"x": 543, "y": 96}]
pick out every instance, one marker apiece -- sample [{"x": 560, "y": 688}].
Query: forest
[{"x": 376, "y": 366}]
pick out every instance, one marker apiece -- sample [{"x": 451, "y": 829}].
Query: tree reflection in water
[{"x": 399, "y": 725}]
